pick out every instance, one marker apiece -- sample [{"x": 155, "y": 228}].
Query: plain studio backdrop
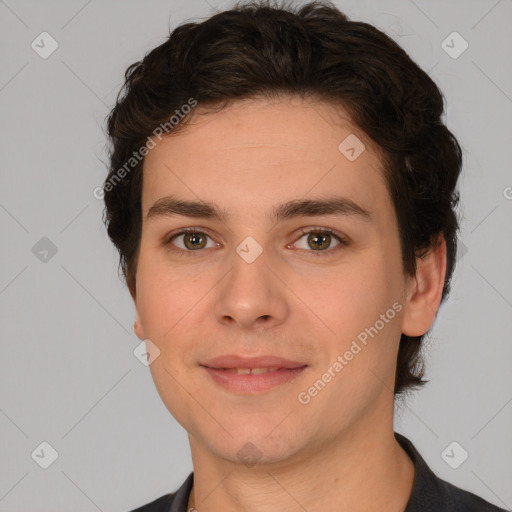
[{"x": 71, "y": 386}]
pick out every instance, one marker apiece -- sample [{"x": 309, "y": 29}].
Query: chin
[
  {"x": 250, "y": 445},
  {"x": 258, "y": 452}
]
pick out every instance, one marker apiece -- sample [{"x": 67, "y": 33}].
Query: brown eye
[
  {"x": 319, "y": 240},
  {"x": 189, "y": 240},
  {"x": 194, "y": 241}
]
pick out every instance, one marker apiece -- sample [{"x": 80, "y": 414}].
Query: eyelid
[{"x": 169, "y": 237}]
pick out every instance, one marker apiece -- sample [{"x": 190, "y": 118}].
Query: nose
[{"x": 252, "y": 295}]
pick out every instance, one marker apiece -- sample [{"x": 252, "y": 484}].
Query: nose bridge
[
  {"x": 250, "y": 263},
  {"x": 251, "y": 293}
]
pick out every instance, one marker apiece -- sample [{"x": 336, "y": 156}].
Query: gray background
[{"x": 68, "y": 374}]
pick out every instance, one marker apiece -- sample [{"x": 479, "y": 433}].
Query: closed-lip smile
[{"x": 250, "y": 375}]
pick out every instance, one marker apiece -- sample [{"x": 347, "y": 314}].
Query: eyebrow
[{"x": 170, "y": 206}]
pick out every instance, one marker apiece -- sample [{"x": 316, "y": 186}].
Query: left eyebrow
[
  {"x": 170, "y": 206},
  {"x": 336, "y": 206}
]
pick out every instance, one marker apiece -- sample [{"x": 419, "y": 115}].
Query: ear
[
  {"x": 137, "y": 326},
  {"x": 425, "y": 290}
]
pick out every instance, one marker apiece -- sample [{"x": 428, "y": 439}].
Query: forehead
[{"x": 262, "y": 152}]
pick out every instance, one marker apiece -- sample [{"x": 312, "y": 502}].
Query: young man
[{"x": 282, "y": 194}]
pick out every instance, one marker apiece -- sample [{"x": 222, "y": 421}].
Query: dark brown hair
[{"x": 260, "y": 49}]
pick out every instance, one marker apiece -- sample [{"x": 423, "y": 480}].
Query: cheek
[
  {"x": 173, "y": 305},
  {"x": 362, "y": 308},
  {"x": 163, "y": 294},
  {"x": 351, "y": 300}
]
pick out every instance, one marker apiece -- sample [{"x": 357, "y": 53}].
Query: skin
[{"x": 337, "y": 452}]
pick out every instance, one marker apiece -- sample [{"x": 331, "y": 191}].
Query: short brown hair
[{"x": 257, "y": 50}]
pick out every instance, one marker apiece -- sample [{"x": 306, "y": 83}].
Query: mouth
[{"x": 251, "y": 375}]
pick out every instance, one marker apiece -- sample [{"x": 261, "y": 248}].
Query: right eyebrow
[{"x": 170, "y": 207}]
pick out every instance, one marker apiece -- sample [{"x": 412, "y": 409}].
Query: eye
[
  {"x": 319, "y": 240},
  {"x": 190, "y": 240}
]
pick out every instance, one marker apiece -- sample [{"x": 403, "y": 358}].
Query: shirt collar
[
  {"x": 427, "y": 488},
  {"x": 180, "y": 502}
]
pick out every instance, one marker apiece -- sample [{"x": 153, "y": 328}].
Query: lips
[
  {"x": 232, "y": 361},
  {"x": 250, "y": 375},
  {"x": 249, "y": 371}
]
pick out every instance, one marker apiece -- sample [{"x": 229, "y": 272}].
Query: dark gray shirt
[{"x": 429, "y": 493}]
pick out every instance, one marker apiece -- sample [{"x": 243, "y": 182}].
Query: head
[{"x": 246, "y": 114}]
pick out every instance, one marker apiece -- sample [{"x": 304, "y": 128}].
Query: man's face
[{"x": 251, "y": 285}]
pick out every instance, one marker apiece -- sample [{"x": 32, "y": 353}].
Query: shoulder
[
  {"x": 173, "y": 502},
  {"x": 161, "y": 504},
  {"x": 465, "y": 501},
  {"x": 431, "y": 493}
]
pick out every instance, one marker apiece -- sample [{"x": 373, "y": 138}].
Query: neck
[{"x": 356, "y": 471}]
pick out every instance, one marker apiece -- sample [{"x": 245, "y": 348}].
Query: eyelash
[{"x": 305, "y": 231}]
